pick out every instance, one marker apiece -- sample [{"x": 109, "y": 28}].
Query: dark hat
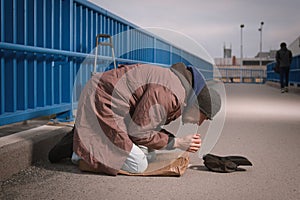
[
  {"x": 209, "y": 102},
  {"x": 283, "y": 44},
  {"x": 206, "y": 100}
]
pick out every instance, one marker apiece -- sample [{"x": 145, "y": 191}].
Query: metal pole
[
  {"x": 260, "y": 44},
  {"x": 241, "y": 62}
]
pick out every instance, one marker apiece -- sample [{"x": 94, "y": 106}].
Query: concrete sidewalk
[
  {"x": 22, "y": 149},
  {"x": 261, "y": 124}
]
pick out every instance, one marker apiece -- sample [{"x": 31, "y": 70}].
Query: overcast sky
[{"x": 213, "y": 23}]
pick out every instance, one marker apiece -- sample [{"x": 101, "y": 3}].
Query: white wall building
[{"x": 295, "y": 47}]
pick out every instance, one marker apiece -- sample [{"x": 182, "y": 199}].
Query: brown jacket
[{"x": 124, "y": 106}]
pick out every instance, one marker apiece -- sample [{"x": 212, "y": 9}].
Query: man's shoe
[
  {"x": 63, "y": 149},
  {"x": 282, "y": 90},
  {"x": 286, "y": 89}
]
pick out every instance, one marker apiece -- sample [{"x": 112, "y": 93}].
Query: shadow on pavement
[{"x": 198, "y": 168}]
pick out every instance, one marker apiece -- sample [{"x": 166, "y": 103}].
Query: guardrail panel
[
  {"x": 294, "y": 71},
  {"x": 43, "y": 44}
]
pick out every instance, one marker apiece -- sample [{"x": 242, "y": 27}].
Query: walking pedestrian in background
[{"x": 284, "y": 60}]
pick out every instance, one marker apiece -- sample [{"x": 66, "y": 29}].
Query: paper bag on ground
[{"x": 166, "y": 164}]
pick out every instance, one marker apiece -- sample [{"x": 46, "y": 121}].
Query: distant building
[
  {"x": 269, "y": 55},
  {"x": 227, "y": 52},
  {"x": 229, "y": 67},
  {"x": 266, "y": 57},
  {"x": 295, "y": 47}
]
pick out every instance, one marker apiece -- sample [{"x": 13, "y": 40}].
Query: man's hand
[{"x": 190, "y": 143}]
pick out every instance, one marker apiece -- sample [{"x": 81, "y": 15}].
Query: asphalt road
[{"x": 261, "y": 124}]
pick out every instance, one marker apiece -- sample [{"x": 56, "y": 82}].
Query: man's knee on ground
[{"x": 136, "y": 161}]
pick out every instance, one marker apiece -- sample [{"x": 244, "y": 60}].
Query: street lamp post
[
  {"x": 260, "y": 43},
  {"x": 241, "y": 62}
]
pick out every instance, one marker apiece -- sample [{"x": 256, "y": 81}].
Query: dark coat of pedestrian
[{"x": 284, "y": 60}]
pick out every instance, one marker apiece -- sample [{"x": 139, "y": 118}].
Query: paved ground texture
[{"x": 261, "y": 124}]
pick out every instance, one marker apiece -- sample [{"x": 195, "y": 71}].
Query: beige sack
[{"x": 166, "y": 164}]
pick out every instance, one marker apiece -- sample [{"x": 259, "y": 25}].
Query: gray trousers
[{"x": 136, "y": 161}]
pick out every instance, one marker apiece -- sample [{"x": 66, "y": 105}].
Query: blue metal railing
[
  {"x": 294, "y": 72},
  {"x": 44, "y": 43}
]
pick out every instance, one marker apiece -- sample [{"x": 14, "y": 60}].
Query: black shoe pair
[
  {"x": 225, "y": 164},
  {"x": 63, "y": 149}
]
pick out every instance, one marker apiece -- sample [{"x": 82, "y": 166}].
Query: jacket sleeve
[
  {"x": 277, "y": 57},
  {"x": 152, "y": 111},
  {"x": 291, "y": 57}
]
